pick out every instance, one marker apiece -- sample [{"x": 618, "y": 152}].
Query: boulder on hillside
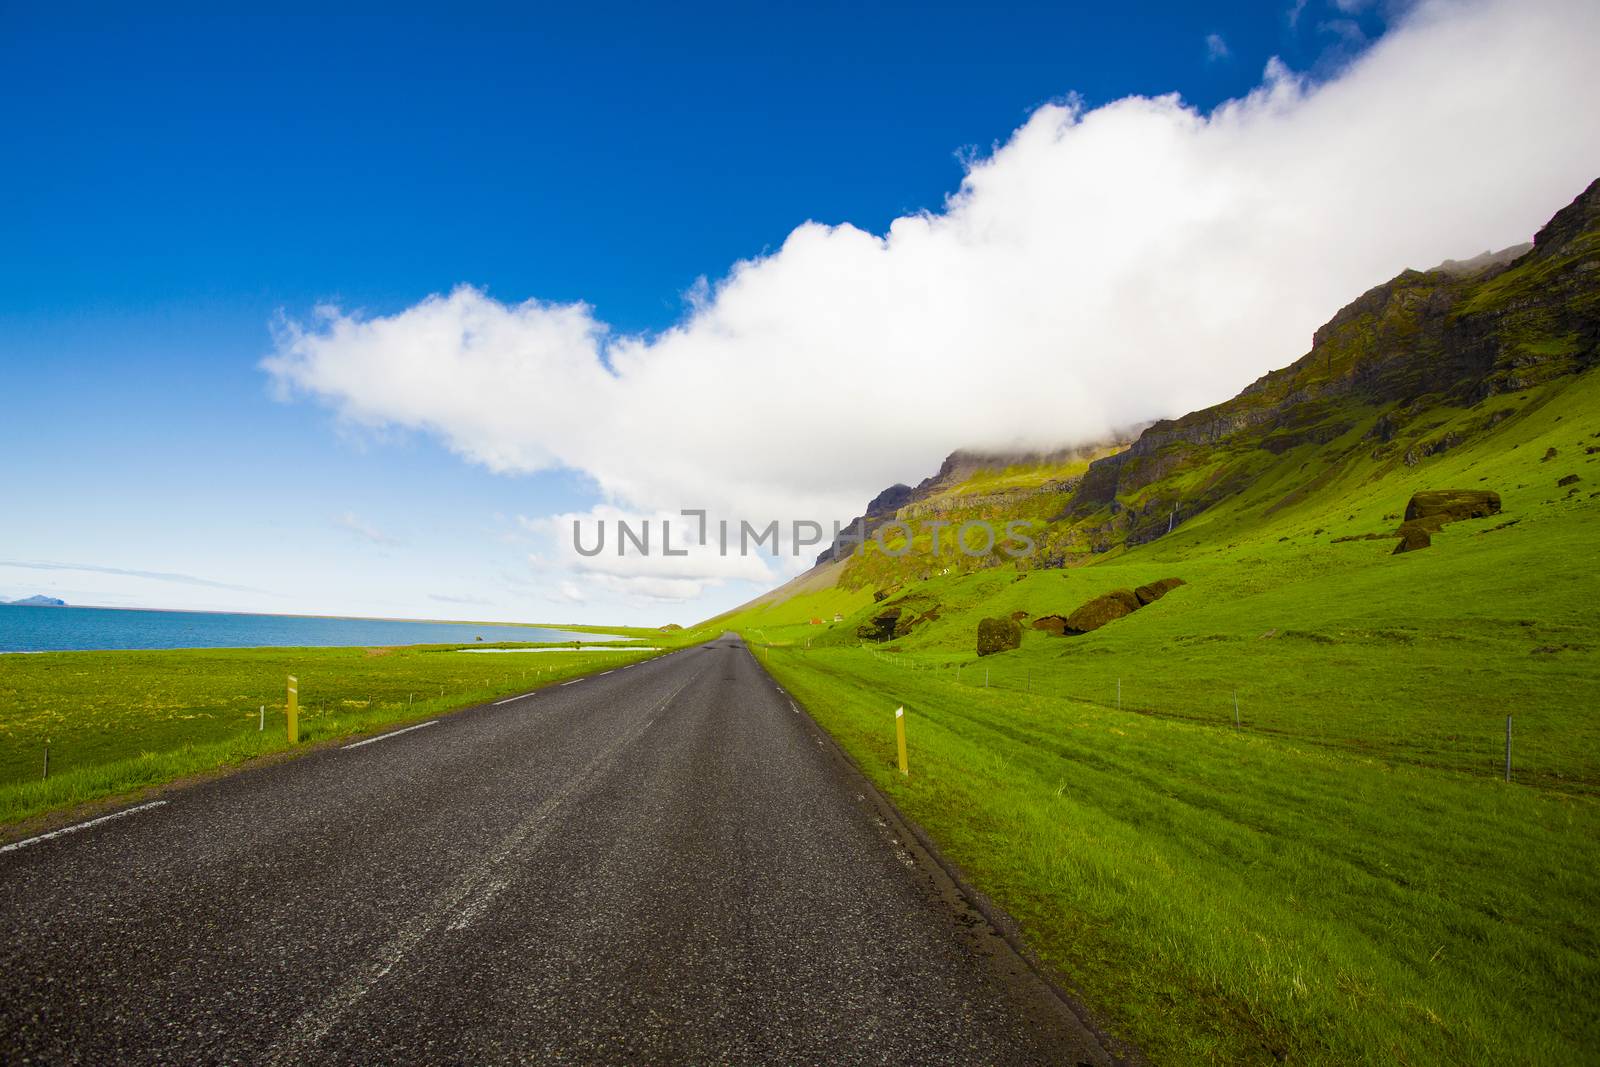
[
  {"x": 1101, "y": 610},
  {"x": 1571, "y": 479},
  {"x": 1412, "y": 537},
  {"x": 998, "y": 635},
  {"x": 881, "y": 627},
  {"x": 1051, "y": 624},
  {"x": 1149, "y": 594},
  {"x": 1451, "y": 505}
]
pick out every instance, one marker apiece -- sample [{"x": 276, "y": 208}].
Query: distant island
[{"x": 37, "y": 602}]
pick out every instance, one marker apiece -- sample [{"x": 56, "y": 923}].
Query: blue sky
[{"x": 177, "y": 182}]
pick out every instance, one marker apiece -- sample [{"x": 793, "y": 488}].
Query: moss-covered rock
[
  {"x": 1452, "y": 505},
  {"x": 882, "y": 626},
  {"x": 998, "y": 635},
  {"x": 1412, "y": 537},
  {"x": 1101, "y": 610},
  {"x": 1149, "y": 594},
  {"x": 1051, "y": 624}
]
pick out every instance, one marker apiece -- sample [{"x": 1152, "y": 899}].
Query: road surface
[{"x": 667, "y": 863}]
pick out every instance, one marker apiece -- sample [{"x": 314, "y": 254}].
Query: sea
[{"x": 46, "y": 629}]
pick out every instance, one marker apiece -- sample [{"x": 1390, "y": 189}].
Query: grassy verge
[
  {"x": 1238, "y": 897},
  {"x": 118, "y": 721}
]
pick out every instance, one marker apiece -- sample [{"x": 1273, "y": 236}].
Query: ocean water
[{"x": 65, "y": 629}]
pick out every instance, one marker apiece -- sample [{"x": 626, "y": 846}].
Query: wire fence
[{"x": 1497, "y": 741}]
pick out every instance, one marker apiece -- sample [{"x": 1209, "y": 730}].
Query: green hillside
[{"x": 1263, "y": 817}]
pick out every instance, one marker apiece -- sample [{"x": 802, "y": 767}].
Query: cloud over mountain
[{"x": 1100, "y": 267}]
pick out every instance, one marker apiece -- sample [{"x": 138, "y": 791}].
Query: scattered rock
[
  {"x": 1412, "y": 537},
  {"x": 1571, "y": 479},
  {"x": 998, "y": 635},
  {"x": 1019, "y": 615},
  {"x": 1149, "y": 594},
  {"x": 1451, "y": 505},
  {"x": 1364, "y": 537},
  {"x": 882, "y": 626},
  {"x": 1101, "y": 610},
  {"x": 1051, "y": 624},
  {"x": 1549, "y": 454}
]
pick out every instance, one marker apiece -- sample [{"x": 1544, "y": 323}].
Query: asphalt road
[{"x": 668, "y": 863}]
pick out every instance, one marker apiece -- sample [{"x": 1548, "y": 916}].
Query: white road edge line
[
  {"x": 604, "y": 673},
  {"x": 80, "y": 826},
  {"x": 520, "y": 696},
  {"x": 392, "y": 733},
  {"x": 575, "y": 681}
]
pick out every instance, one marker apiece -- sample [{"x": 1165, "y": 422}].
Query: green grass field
[
  {"x": 117, "y": 721},
  {"x": 1342, "y": 877}
]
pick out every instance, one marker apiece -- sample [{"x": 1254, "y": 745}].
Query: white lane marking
[
  {"x": 392, "y": 733},
  {"x": 65, "y": 830},
  {"x": 520, "y": 696},
  {"x": 604, "y": 673},
  {"x": 575, "y": 681}
]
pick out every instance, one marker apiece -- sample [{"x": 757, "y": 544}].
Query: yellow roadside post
[
  {"x": 294, "y": 710},
  {"x": 900, "y": 738}
]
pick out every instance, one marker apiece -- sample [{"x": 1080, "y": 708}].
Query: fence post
[
  {"x": 293, "y": 708},
  {"x": 1235, "y": 709},
  {"x": 46, "y": 760},
  {"x": 262, "y": 724},
  {"x": 900, "y": 739}
]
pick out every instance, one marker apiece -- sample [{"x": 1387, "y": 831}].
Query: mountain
[
  {"x": 39, "y": 602},
  {"x": 1410, "y": 369}
]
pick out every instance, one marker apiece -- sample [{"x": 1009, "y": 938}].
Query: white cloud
[
  {"x": 1099, "y": 268},
  {"x": 1347, "y": 30},
  {"x": 364, "y": 530},
  {"x": 1216, "y": 47}
]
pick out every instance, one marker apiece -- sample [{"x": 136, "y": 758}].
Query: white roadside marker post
[{"x": 900, "y": 739}]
